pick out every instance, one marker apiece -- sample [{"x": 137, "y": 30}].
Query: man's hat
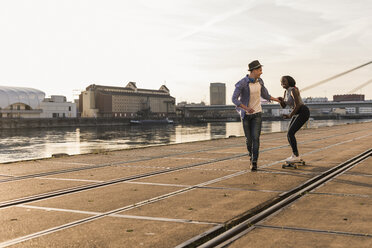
[{"x": 254, "y": 65}]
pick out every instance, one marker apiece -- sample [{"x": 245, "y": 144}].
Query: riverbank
[
  {"x": 22, "y": 123},
  {"x": 19, "y": 123}
]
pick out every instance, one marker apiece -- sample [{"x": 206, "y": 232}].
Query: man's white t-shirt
[{"x": 255, "y": 97}]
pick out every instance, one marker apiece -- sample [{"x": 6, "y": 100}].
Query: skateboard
[{"x": 293, "y": 165}]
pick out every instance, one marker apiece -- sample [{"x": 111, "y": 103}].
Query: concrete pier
[{"x": 163, "y": 196}]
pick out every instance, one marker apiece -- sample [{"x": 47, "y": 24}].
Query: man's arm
[
  {"x": 236, "y": 94},
  {"x": 265, "y": 94},
  {"x": 247, "y": 109},
  {"x": 274, "y": 99},
  {"x": 237, "y": 102}
]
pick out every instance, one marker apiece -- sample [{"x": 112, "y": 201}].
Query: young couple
[{"x": 247, "y": 98}]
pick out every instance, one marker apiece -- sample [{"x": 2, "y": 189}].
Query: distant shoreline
[{"x": 20, "y": 123}]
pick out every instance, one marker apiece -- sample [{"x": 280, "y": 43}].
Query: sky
[{"x": 62, "y": 46}]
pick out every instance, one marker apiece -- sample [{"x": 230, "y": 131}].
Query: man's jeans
[{"x": 252, "y": 130}]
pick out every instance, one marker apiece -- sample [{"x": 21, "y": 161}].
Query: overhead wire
[
  {"x": 333, "y": 77},
  {"x": 360, "y": 86}
]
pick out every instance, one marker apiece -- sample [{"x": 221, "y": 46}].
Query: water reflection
[{"x": 38, "y": 143}]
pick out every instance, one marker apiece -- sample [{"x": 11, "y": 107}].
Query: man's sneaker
[
  {"x": 254, "y": 166},
  {"x": 293, "y": 159}
]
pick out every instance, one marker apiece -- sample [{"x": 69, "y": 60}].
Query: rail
[{"x": 226, "y": 237}]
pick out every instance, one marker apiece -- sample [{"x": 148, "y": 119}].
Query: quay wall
[{"x": 17, "y": 123}]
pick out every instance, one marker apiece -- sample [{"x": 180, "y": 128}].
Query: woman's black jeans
[
  {"x": 297, "y": 121},
  {"x": 252, "y": 130}
]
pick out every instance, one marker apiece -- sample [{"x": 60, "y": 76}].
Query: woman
[{"x": 300, "y": 113}]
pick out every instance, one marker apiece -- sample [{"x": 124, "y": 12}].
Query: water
[{"x": 24, "y": 144}]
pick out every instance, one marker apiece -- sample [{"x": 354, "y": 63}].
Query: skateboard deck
[{"x": 293, "y": 165}]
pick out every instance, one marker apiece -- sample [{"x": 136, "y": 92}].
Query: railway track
[{"x": 224, "y": 236}]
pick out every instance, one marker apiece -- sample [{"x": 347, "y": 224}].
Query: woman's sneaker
[{"x": 293, "y": 159}]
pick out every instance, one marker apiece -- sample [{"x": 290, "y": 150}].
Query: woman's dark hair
[{"x": 290, "y": 80}]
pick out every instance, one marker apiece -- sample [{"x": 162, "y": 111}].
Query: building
[
  {"x": 17, "y": 102},
  {"x": 315, "y": 99},
  {"x": 352, "y": 109},
  {"x": 128, "y": 101},
  {"x": 57, "y": 106},
  {"x": 76, "y": 101},
  {"x": 184, "y": 103},
  {"x": 20, "y": 102},
  {"x": 348, "y": 97},
  {"x": 217, "y": 94}
]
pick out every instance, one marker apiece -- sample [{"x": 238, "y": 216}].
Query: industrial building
[
  {"x": 128, "y": 101},
  {"x": 217, "y": 92},
  {"x": 352, "y": 109},
  {"x": 348, "y": 97},
  {"x": 21, "y": 102},
  {"x": 56, "y": 107}
]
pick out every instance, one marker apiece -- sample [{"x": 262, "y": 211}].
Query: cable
[{"x": 333, "y": 77}]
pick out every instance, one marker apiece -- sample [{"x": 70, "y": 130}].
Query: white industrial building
[
  {"x": 20, "y": 102},
  {"x": 57, "y": 107}
]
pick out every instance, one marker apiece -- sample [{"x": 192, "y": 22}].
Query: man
[{"x": 247, "y": 99}]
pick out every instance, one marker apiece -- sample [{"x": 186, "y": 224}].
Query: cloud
[
  {"x": 353, "y": 28},
  {"x": 217, "y": 19}
]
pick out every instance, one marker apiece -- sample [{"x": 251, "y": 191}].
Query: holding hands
[
  {"x": 281, "y": 102},
  {"x": 283, "y": 105}
]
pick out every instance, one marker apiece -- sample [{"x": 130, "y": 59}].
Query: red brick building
[{"x": 348, "y": 97}]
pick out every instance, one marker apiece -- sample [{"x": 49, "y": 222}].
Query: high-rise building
[{"x": 217, "y": 94}]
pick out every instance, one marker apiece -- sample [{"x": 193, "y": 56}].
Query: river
[{"x": 24, "y": 144}]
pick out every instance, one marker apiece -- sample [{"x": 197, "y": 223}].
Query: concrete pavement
[{"x": 168, "y": 194}]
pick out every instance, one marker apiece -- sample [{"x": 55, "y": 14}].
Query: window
[
  {"x": 350, "y": 110},
  {"x": 365, "y": 110},
  {"x": 69, "y": 108}
]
